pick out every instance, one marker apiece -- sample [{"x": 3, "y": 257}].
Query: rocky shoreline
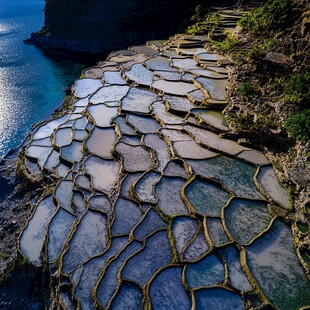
[
  {"x": 75, "y": 45},
  {"x": 20, "y": 283}
]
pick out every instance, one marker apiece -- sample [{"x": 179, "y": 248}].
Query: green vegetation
[
  {"x": 200, "y": 11},
  {"x": 246, "y": 89},
  {"x": 209, "y": 23},
  {"x": 3, "y": 256},
  {"x": 257, "y": 53},
  {"x": 3, "y": 278},
  {"x": 290, "y": 197},
  {"x": 213, "y": 18},
  {"x": 18, "y": 264},
  {"x": 21, "y": 262},
  {"x": 227, "y": 44},
  {"x": 298, "y": 125},
  {"x": 193, "y": 29},
  {"x": 307, "y": 208},
  {"x": 249, "y": 123},
  {"x": 303, "y": 227},
  {"x": 271, "y": 43},
  {"x": 43, "y": 32},
  {"x": 266, "y": 17},
  {"x": 297, "y": 89}
]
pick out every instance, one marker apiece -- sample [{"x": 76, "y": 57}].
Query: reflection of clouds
[
  {"x": 11, "y": 113},
  {"x": 4, "y": 29},
  {"x": 31, "y": 83},
  {"x": 5, "y": 108},
  {"x": 7, "y": 28}
]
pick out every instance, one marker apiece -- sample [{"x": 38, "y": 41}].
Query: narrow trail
[{"x": 149, "y": 206}]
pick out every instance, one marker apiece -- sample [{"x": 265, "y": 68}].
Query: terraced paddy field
[{"x": 149, "y": 207}]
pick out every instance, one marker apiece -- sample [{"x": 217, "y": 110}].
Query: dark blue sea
[{"x": 32, "y": 81}]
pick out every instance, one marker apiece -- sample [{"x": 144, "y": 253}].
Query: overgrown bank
[{"x": 269, "y": 88}]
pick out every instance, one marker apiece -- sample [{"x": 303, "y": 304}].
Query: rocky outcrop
[
  {"x": 98, "y": 26},
  {"x": 15, "y": 198}
]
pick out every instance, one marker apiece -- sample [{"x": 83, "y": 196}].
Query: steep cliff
[{"x": 101, "y": 25}]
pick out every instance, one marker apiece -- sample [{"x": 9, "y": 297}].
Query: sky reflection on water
[{"x": 32, "y": 81}]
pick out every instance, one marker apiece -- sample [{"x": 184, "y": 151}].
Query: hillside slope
[
  {"x": 101, "y": 25},
  {"x": 269, "y": 89}
]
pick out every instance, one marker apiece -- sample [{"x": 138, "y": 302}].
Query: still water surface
[{"x": 32, "y": 81}]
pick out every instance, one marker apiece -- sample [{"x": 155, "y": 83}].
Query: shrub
[
  {"x": 297, "y": 89},
  {"x": 266, "y": 17},
  {"x": 205, "y": 25},
  {"x": 257, "y": 53},
  {"x": 200, "y": 11},
  {"x": 298, "y": 125},
  {"x": 249, "y": 123},
  {"x": 213, "y": 18},
  {"x": 246, "y": 89},
  {"x": 193, "y": 29},
  {"x": 227, "y": 44},
  {"x": 244, "y": 122}
]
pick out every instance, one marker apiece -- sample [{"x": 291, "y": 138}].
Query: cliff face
[{"x": 102, "y": 25}]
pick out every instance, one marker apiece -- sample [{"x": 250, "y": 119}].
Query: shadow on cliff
[{"x": 99, "y": 26}]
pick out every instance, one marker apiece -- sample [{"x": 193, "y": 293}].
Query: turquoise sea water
[{"x": 32, "y": 81}]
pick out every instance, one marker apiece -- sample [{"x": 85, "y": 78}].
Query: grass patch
[
  {"x": 227, "y": 44},
  {"x": 213, "y": 19},
  {"x": 208, "y": 24},
  {"x": 3, "y": 256},
  {"x": 257, "y": 53},
  {"x": 246, "y": 89},
  {"x": 249, "y": 123},
  {"x": 265, "y": 18},
  {"x": 298, "y": 126},
  {"x": 297, "y": 89}
]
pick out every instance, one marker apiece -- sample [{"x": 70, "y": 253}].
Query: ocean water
[{"x": 32, "y": 81}]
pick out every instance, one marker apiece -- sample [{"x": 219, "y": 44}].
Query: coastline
[
  {"x": 73, "y": 45},
  {"x": 11, "y": 162}
]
